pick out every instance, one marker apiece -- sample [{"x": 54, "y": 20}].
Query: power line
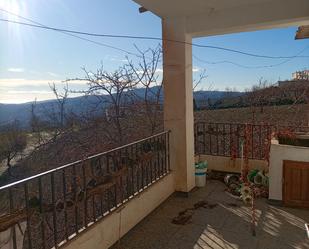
[
  {"x": 73, "y": 35},
  {"x": 249, "y": 67},
  {"x": 40, "y": 25},
  {"x": 221, "y": 62},
  {"x": 148, "y": 38}
]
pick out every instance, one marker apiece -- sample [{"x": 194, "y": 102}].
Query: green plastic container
[
  {"x": 200, "y": 174},
  {"x": 201, "y": 165}
]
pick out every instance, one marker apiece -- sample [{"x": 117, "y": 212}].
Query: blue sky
[{"x": 31, "y": 58}]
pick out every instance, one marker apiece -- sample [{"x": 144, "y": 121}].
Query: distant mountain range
[
  {"x": 22, "y": 112},
  {"x": 78, "y": 105}
]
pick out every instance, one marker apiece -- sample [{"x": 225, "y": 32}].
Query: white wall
[
  {"x": 106, "y": 232},
  {"x": 279, "y": 153}
]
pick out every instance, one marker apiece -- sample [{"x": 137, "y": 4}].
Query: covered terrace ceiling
[{"x": 211, "y": 17}]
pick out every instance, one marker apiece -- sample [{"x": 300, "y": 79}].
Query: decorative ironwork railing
[
  {"x": 225, "y": 139},
  {"x": 49, "y": 209}
]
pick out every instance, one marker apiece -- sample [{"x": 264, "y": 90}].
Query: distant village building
[{"x": 299, "y": 77}]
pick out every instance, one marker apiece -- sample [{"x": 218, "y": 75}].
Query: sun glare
[
  {"x": 10, "y": 6},
  {"x": 11, "y": 9}
]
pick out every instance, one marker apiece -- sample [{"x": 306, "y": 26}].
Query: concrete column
[{"x": 178, "y": 101}]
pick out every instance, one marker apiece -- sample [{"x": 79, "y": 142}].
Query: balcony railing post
[
  {"x": 159, "y": 163},
  {"x": 133, "y": 161},
  {"x": 115, "y": 184},
  {"x": 83, "y": 193},
  {"x": 101, "y": 161},
  {"x": 162, "y": 154},
  {"x": 204, "y": 139},
  {"x": 121, "y": 185},
  {"x": 153, "y": 150},
  {"x": 64, "y": 192},
  {"x": 168, "y": 152},
  {"x": 93, "y": 196},
  {"x": 260, "y": 140},
  {"x": 252, "y": 141},
  {"x": 11, "y": 209},
  {"x": 54, "y": 208},
  {"x": 217, "y": 131},
  {"x": 75, "y": 198},
  {"x": 137, "y": 153},
  {"x": 42, "y": 212},
  {"x": 165, "y": 154},
  {"x": 28, "y": 214},
  {"x": 109, "y": 191}
]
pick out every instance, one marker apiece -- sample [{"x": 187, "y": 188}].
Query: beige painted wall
[
  {"x": 106, "y": 232},
  {"x": 222, "y": 163},
  {"x": 278, "y": 153}
]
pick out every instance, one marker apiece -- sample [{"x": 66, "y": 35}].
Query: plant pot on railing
[{"x": 200, "y": 173}]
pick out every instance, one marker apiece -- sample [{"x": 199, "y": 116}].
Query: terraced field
[{"x": 284, "y": 115}]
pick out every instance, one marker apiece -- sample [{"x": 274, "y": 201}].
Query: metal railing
[
  {"x": 49, "y": 209},
  {"x": 225, "y": 139}
]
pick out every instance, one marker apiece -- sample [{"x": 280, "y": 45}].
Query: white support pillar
[{"x": 178, "y": 101}]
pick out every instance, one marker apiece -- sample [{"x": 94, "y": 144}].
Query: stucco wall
[
  {"x": 106, "y": 232},
  {"x": 278, "y": 153},
  {"x": 222, "y": 163}
]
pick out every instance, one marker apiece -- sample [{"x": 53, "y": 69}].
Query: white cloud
[
  {"x": 16, "y": 69},
  {"x": 195, "y": 69},
  {"x": 29, "y": 92},
  {"x": 21, "y": 90},
  {"x": 21, "y": 96},
  {"x": 52, "y": 74},
  {"x": 140, "y": 72},
  {"x": 120, "y": 60},
  {"x": 15, "y": 82},
  {"x": 158, "y": 71}
]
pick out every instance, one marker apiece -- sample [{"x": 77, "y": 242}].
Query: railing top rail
[
  {"x": 79, "y": 161},
  {"x": 253, "y": 124},
  {"x": 231, "y": 123}
]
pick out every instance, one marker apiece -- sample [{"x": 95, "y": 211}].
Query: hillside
[
  {"x": 22, "y": 112},
  {"x": 283, "y": 114},
  {"x": 79, "y": 105},
  {"x": 266, "y": 104}
]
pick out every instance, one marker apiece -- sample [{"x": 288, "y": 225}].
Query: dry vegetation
[{"x": 283, "y": 115}]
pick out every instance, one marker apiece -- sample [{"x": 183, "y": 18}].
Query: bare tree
[
  {"x": 149, "y": 77},
  {"x": 61, "y": 98},
  {"x": 259, "y": 96},
  {"x": 198, "y": 80},
  {"x": 12, "y": 142},
  {"x": 110, "y": 89},
  {"x": 36, "y": 124}
]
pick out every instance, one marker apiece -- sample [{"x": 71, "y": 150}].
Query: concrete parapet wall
[
  {"x": 227, "y": 164},
  {"x": 107, "y": 232}
]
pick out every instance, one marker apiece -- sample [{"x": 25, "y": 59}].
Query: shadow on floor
[{"x": 226, "y": 226}]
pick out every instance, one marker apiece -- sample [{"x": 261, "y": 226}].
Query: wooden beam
[
  {"x": 302, "y": 32},
  {"x": 142, "y": 9}
]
